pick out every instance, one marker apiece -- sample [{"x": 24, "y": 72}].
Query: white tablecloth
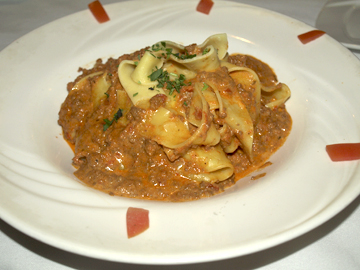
[{"x": 333, "y": 245}]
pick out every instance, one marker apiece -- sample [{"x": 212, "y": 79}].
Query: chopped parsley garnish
[
  {"x": 206, "y": 51},
  {"x": 169, "y": 51},
  {"x": 163, "y": 78},
  {"x": 108, "y": 123},
  {"x": 156, "y": 47},
  {"x": 204, "y": 87},
  {"x": 159, "y": 73},
  {"x": 184, "y": 56},
  {"x": 137, "y": 62}
]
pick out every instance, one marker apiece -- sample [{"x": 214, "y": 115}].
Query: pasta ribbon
[
  {"x": 166, "y": 128},
  {"x": 176, "y": 68},
  {"x": 124, "y": 103},
  {"x": 212, "y": 137},
  {"x": 217, "y": 41},
  {"x": 276, "y": 95},
  {"x": 99, "y": 89},
  {"x": 134, "y": 77},
  {"x": 208, "y": 61},
  {"x": 81, "y": 83},
  {"x": 228, "y": 141},
  {"x": 214, "y": 49},
  {"x": 236, "y": 116},
  {"x": 211, "y": 98},
  {"x": 213, "y": 163},
  {"x": 249, "y": 80}
]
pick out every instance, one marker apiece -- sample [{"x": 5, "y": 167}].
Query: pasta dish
[{"x": 172, "y": 122}]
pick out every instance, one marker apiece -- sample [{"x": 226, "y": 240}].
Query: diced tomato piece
[
  {"x": 98, "y": 11},
  {"x": 137, "y": 221},
  {"x": 310, "y": 36},
  {"x": 343, "y": 151},
  {"x": 205, "y": 6}
]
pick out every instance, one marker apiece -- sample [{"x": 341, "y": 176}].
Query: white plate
[{"x": 302, "y": 189}]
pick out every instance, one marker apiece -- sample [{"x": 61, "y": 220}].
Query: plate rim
[{"x": 194, "y": 260}]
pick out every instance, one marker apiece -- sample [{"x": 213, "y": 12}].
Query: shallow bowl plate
[{"x": 302, "y": 189}]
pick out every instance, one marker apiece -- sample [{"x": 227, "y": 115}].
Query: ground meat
[
  {"x": 263, "y": 70},
  {"x": 157, "y": 101}
]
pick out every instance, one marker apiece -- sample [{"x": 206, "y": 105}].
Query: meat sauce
[{"x": 121, "y": 162}]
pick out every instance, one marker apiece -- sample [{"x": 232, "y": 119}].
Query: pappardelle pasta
[{"x": 173, "y": 122}]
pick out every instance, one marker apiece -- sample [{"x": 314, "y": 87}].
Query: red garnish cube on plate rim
[
  {"x": 204, "y": 6},
  {"x": 310, "y": 36},
  {"x": 98, "y": 11},
  {"x": 343, "y": 151},
  {"x": 137, "y": 221}
]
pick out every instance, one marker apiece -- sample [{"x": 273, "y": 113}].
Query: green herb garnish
[
  {"x": 157, "y": 74},
  {"x": 205, "y": 51},
  {"x": 204, "y": 87},
  {"x": 108, "y": 123},
  {"x": 169, "y": 51},
  {"x": 163, "y": 78}
]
